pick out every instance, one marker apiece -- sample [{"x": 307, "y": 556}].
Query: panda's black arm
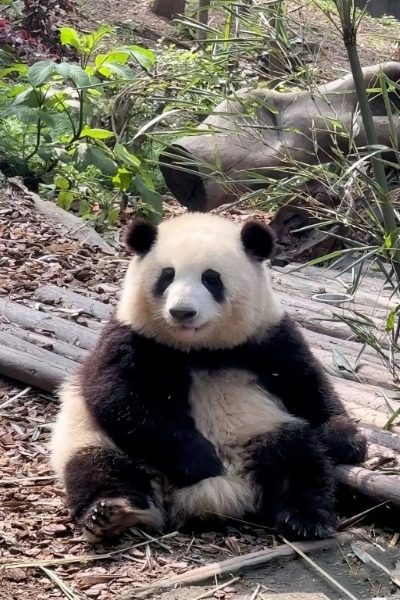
[
  {"x": 140, "y": 398},
  {"x": 291, "y": 372}
]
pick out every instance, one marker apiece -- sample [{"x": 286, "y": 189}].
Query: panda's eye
[
  {"x": 165, "y": 279},
  {"x": 212, "y": 281}
]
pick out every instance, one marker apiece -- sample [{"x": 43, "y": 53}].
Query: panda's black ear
[
  {"x": 140, "y": 235},
  {"x": 258, "y": 240}
]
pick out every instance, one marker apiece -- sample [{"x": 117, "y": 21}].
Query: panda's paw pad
[
  {"x": 306, "y": 525},
  {"x": 108, "y": 517}
]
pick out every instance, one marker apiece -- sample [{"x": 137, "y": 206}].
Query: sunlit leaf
[
  {"x": 70, "y": 37},
  {"x": 96, "y": 134},
  {"x": 126, "y": 157}
]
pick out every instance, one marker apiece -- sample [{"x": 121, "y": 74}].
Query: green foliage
[{"x": 56, "y": 114}]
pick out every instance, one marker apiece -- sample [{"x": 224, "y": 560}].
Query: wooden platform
[{"x": 45, "y": 338}]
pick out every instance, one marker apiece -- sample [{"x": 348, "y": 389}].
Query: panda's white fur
[
  {"x": 191, "y": 243},
  {"x": 75, "y": 428},
  {"x": 230, "y": 410}
]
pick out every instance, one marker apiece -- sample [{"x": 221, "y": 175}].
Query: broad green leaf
[
  {"x": 84, "y": 207},
  {"x": 100, "y": 160},
  {"x": 53, "y": 151},
  {"x": 126, "y": 157},
  {"x": 61, "y": 182},
  {"x": 70, "y": 37},
  {"x": 123, "y": 179},
  {"x": 150, "y": 197},
  {"x": 28, "y": 97},
  {"x": 144, "y": 56},
  {"x": 14, "y": 68},
  {"x": 96, "y": 134},
  {"x": 65, "y": 199},
  {"x": 116, "y": 56},
  {"x": 108, "y": 68},
  {"x": 87, "y": 154},
  {"x": 80, "y": 77},
  {"x": 40, "y": 72},
  {"x": 63, "y": 69}
]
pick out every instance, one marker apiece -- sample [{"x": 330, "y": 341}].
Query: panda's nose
[{"x": 183, "y": 313}]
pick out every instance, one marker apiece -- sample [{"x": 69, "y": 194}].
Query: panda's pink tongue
[{"x": 186, "y": 331}]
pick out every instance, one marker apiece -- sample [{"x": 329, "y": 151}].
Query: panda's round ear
[
  {"x": 258, "y": 240},
  {"x": 140, "y": 235}
]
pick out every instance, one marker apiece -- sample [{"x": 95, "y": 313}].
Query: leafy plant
[{"x": 64, "y": 114}]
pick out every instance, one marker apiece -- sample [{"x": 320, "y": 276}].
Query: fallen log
[
  {"x": 236, "y": 564},
  {"x": 32, "y": 365},
  {"x": 383, "y": 438},
  {"x": 43, "y": 341},
  {"x": 51, "y": 294},
  {"x": 36, "y": 320},
  {"x": 374, "y": 484}
]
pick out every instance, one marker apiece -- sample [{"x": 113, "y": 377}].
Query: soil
[{"x": 34, "y": 524}]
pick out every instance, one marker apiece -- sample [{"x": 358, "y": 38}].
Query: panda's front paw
[
  {"x": 108, "y": 517},
  {"x": 306, "y": 524}
]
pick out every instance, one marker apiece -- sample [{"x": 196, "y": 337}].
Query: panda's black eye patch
[
  {"x": 212, "y": 281},
  {"x": 165, "y": 279}
]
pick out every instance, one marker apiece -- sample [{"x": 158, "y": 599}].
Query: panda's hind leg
[
  {"x": 345, "y": 442},
  {"x": 107, "y": 493},
  {"x": 297, "y": 482}
]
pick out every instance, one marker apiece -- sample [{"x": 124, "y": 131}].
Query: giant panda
[{"x": 201, "y": 399}]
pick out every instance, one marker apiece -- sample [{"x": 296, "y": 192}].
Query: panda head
[{"x": 198, "y": 281}]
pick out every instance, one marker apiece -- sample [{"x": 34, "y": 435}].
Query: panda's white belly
[{"x": 229, "y": 409}]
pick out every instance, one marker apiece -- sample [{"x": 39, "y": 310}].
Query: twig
[
  {"x": 216, "y": 589},
  {"x": 234, "y": 565},
  {"x": 256, "y": 592},
  {"x": 157, "y": 542},
  {"x": 11, "y": 400},
  {"x": 356, "y": 518},
  {"x": 79, "y": 559},
  {"x": 59, "y": 583},
  {"x": 367, "y": 559},
  {"x": 300, "y": 552},
  {"x": 26, "y": 480}
]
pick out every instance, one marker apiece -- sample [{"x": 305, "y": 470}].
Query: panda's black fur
[{"x": 137, "y": 392}]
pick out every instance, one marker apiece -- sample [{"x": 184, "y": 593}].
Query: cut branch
[{"x": 236, "y": 564}]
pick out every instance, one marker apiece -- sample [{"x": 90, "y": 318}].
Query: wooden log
[
  {"x": 32, "y": 365},
  {"x": 379, "y": 303},
  {"x": 383, "y": 438},
  {"x": 36, "y": 320},
  {"x": 369, "y": 374},
  {"x": 47, "y": 343},
  {"x": 370, "y": 483},
  {"x": 51, "y": 294}
]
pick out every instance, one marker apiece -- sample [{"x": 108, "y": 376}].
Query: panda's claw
[
  {"x": 307, "y": 524},
  {"x": 108, "y": 518}
]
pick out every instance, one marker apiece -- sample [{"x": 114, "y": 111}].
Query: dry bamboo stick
[{"x": 236, "y": 565}]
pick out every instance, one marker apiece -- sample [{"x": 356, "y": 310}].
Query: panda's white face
[
  {"x": 194, "y": 285},
  {"x": 190, "y": 299}
]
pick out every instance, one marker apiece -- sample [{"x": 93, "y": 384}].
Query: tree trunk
[{"x": 168, "y": 8}]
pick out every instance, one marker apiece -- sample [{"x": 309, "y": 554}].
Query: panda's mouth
[{"x": 187, "y": 331}]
